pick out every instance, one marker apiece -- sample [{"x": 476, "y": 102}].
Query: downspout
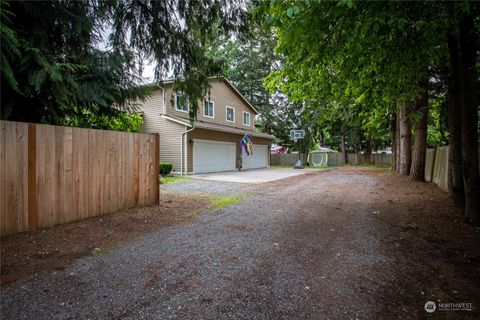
[
  {"x": 181, "y": 152},
  {"x": 183, "y": 144},
  {"x": 164, "y": 109}
]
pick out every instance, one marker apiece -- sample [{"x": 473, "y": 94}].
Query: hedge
[{"x": 165, "y": 168}]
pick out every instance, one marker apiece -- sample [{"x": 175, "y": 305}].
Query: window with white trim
[
  {"x": 246, "y": 118},
  {"x": 208, "y": 109},
  {"x": 230, "y": 114},
  {"x": 181, "y": 102}
]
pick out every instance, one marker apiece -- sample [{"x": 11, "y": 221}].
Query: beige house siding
[
  {"x": 170, "y": 132},
  {"x": 222, "y": 96},
  {"x": 162, "y": 101},
  {"x": 151, "y": 109},
  {"x": 204, "y": 134},
  {"x": 171, "y": 142}
]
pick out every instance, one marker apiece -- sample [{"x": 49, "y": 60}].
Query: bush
[{"x": 165, "y": 168}]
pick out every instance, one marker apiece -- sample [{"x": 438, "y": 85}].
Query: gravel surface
[
  {"x": 208, "y": 187},
  {"x": 306, "y": 247}
]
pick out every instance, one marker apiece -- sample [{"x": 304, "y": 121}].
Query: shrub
[{"x": 165, "y": 168}]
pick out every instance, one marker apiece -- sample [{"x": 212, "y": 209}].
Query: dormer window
[
  {"x": 181, "y": 102},
  {"x": 208, "y": 109},
  {"x": 246, "y": 118},
  {"x": 230, "y": 114}
]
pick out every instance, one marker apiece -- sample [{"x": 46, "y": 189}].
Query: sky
[{"x": 148, "y": 73}]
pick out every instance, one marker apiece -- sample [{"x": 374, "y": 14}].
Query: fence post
[
  {"x": 157, "y": 168},
  {"x": 32, "y": 177}
]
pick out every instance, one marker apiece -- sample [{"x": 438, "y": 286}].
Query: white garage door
[
  {"x": 256, "y": 160},
  {"x": 213, "y": 156}
]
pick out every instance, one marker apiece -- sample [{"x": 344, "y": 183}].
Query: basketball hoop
[{"x": 297, "y": 135}]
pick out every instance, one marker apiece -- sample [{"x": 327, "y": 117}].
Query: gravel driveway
[
  {"x": 306, "y": 247},
  {"x": 208, "y": 187}
]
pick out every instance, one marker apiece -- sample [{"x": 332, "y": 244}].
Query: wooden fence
[
  {"x": 334, "y": 159},
  {"x": 52, "y": 175},
  {"x": 436, "y": 166},
  {"x": 436, "y": 162},
  {"x": 286, "y": 159}
]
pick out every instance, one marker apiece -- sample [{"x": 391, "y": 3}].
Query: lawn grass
[{"x": 173, "y": 179}]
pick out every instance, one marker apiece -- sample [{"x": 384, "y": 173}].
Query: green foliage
[
  {"x": 9, "y": 46},
  {"x": 115, "y": 120},
  {"x": 51, "y": 63},
  {"x": 437, "y": 123},
  {"x": 55, "y": 54},
  {"x": 247, "y": 61},
  {"x": 349, "y": 62},
  {"x": 175, "y": 34},
  {"x": 165, "y": 168}
]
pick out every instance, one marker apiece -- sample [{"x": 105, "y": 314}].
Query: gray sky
[{"x": 148, "y": 71}]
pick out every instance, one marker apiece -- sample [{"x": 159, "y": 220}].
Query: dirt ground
[
  {"x": 436, "y": 255},
  {"x": 430, "y": 253},
  {"x": 349, "y": 243},
  {"x": 26, "y": 254}
]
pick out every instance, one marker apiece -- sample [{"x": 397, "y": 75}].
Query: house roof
[
  {"x": 218, "y": 127},
  {"x": 229, "y": 84}
]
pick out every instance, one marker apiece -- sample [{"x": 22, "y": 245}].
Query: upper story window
[
  {"x": 208, "y": 109},
  {"x": 246, "y": 118},
  {"x": 230, "y": 114},
  {"x": 181, "y": 102}
]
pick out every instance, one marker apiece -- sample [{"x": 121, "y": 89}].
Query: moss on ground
[
  {"x": 220, "y": 202},
  {"x": 173, "y": 179},
  {"x": 98, "y": 252}
]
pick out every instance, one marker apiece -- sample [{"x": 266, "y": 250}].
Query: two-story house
[{"x": 212, "y": 143}]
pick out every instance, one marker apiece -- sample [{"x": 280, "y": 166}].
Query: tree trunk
[
  {"x": 469, "y": 118},
  {"x": 344, "y": 150},
  {"x": 393, "y": 127},
  {"x": 397, "y": 144},
  {"x": 357, "y": 154},
  {"x": 455, "y": 177},
  {"x": 368, "y": 152},
  {"x": 405, "y": 139},
  {"x": 417, "y": 169}
]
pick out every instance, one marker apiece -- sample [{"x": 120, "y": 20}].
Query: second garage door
[
  {"x": 213, "y": 156},
  {"x": 256, "y": 160}
]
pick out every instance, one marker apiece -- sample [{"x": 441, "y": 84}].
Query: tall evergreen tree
[{"x": 52, "y": 64}]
